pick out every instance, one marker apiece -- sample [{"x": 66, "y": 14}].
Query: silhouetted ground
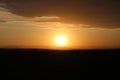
[{"x": 59, "y": 64}]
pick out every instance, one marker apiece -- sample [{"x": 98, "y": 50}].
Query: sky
[{"x": 86, "y": 24}]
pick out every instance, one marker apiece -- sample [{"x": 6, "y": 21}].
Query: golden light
[{"x": 61, "y": 40}]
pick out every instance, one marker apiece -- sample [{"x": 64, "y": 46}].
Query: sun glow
[{"x": 61, "y": 40}]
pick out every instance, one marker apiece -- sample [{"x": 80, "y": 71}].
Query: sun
[{"x": 61, "y": 40}]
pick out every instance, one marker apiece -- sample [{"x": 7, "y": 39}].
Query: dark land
[{"x": 58, "y": 63}]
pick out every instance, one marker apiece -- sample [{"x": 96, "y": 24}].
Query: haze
[{"x": 39, "y": 26}]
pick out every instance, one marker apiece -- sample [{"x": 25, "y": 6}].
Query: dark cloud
[{"x": 101, "y": 13}]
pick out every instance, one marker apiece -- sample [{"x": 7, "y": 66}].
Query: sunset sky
[{"x": 81, "y": 24}]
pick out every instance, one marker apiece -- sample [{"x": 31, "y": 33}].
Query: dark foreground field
[{"x": 59, "y": 64}]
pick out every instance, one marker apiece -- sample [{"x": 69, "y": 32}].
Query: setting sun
[{"x": 61, "y": 40}]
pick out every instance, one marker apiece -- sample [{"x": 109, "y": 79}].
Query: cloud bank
[
  {"x": 97, "y": 13},
  {"x": 71, "y": 23},
  {"x": 7, "y": 18}
]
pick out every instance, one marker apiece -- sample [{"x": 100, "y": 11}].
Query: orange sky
[
  {"x": 28, "y": 35},
  {"x": 41, "y": 32}
]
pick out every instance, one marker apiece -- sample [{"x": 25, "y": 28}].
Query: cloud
[
  {"x": 98, "y": 13},
  {"x": 2, "y": 5},
  {"x": 66, "y": 22},
  {"x": 6, "y": 16},
  {"x": 2, "y": 9},
  {"x": 43, "y": 22},
  {"x": 47, "y": 19},
  {"x": 2, "y": 20}
]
